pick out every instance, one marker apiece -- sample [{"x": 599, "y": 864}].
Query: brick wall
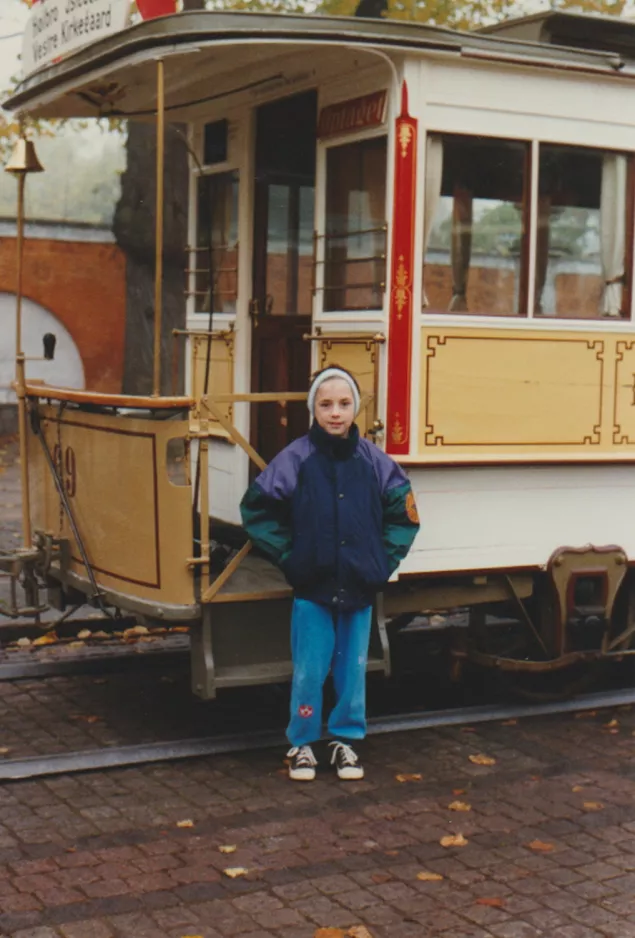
[{"x": 82, "y": 283}]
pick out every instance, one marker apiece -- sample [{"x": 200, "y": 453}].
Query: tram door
[{"x": 282, "y": 266}]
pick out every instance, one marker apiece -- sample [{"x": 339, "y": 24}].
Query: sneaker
[
  {"x": 302, "y": 764},
  {"x": 346, "y": 762}
]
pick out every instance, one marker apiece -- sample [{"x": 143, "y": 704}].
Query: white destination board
[{"x": 57, "y": 27}]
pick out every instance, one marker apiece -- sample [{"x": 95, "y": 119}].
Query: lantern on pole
[{"x": 23, "y": 161}]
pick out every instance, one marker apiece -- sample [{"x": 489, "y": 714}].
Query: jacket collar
[{"x": 334, "y": 446}]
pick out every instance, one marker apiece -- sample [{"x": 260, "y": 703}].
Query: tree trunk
[{"x": 134, "y": 229}]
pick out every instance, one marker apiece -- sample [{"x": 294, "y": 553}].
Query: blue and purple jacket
[{"x": 336, "y": 515}]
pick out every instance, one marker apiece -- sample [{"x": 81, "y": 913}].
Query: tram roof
[{"x": 115, "y": 76}]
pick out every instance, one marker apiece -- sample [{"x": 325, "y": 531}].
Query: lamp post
[{"x": 22, "y": 162}]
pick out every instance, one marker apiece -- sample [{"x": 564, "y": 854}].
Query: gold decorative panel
[
  {"x": 221, "y": 367},
  {"x": 135, "y": 525},
  {"x": 522, "y": 391},
  {"x": 624, "y": 393}
]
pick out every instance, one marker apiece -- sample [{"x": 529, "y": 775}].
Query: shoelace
[
  {"x": 304, "y": 755},
  {"x": 348, "y": 756}
]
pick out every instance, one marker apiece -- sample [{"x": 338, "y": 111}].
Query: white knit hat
[{"x": 326, "y": 375}]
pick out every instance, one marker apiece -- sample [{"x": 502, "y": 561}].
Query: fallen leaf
[
  {"x": 585, "y": 713},
  {"x": 380, "y": 878},
  {"x": 541, "y": 846},
  {"x": 592, "y": 805},
  {"x": 330, "y": 933},
  {"x": 494, "y": 902},
  {"x": 577, "y": 788},
  {"x": 468, "y": 729},
  {"x": 391, "y": 853},
  {"x": 23, "y": 642},
  {"x": 235, "y": 871},
  {"x": 84, "y": 634},
  {"x": 453, "y": 840},
  {"x": 227, "y": 848},
  {"x": 459, "y": 806},
  {"x": 49, "y": 639},
  {"x": 509, "y": 722},
  {"x": 100, "y": 635},
  {"x": 611, "y": 724},
  {"x": 77, "y": 644},
  {"x": 481, "y": 759},
  {"x": 186, "y": 823},
  {"x": 4, "y": 750},
  {"x": 358, "y": 931},
  {"x": 426, "y": 877},
  {"x": 409, "y": 777}
]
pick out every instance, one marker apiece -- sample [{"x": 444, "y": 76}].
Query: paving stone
[{"x": 88, "y": 928}]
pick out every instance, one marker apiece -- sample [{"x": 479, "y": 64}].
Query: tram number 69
[{"x": 66, "y": 468}]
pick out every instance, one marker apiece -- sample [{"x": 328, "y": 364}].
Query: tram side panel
[{"x": 126, "y": 484}]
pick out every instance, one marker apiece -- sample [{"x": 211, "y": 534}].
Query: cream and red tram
[{"x": 448, "y": 215}]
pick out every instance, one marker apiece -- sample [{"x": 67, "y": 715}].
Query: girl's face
[{"x": 334, "y": 407}]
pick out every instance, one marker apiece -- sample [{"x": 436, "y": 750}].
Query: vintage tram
[{"x": 448, "y": 215}]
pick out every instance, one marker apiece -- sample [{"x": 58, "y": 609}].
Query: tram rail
[{"x": 125, "y": 756}]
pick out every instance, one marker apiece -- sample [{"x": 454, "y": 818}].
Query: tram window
[
  {"x": 217, "y": 243},
  {"x": 581, "y": 243},
  {"x": 355, "y": 238},
  {"x": 475, "y": 225}
]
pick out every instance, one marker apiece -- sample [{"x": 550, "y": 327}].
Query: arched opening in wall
[{"x": 66, "y": 370}]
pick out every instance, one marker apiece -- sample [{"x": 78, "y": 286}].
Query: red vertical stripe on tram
[{"x": 400, "y": 332}]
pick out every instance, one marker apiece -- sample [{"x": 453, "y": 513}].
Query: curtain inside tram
[{"x": 613, "y": 231}]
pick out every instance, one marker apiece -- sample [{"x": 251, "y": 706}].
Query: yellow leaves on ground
[
  {"x": 49, "y": 639},
  {"x": 235, "y": 871},
  {"x": 4, "y": 750},
  {"x": 592, "y": 805},
  {"x": 541, "y": 846},
  {"x": 459, "y": 806},
  {"x": 577, "y": 788},
  {"x": 453, "y": 840},
  {"x": 409, "y": 777},
  {"x": 427, "y": 877},
  {"x": 186, "y": 823},
  {"x": 481, "y": 759},
  {"x": 228, "y": 848}
]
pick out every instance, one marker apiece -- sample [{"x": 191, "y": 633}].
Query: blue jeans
[{"x": 324, "y": 640}]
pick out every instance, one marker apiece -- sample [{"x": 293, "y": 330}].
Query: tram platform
[{"x": 544, "y": 809}]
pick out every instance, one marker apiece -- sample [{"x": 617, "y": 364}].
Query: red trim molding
[{"x": 400, "y": 316}]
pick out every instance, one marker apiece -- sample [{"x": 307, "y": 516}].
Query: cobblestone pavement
[
  {"x": 136, "y": 852},
  {"x": 548, "y": 846}
]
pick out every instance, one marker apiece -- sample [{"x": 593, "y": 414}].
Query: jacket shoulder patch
[{"x": 411, "y": 508}]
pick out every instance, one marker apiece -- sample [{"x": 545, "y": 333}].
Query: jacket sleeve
[
  {"x": 267, "y": 521},
  {"x": 400, "y": 521},
  {"x": 267, "y": 503}
]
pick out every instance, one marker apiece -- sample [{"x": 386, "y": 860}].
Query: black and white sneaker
[
  {"x": 302, "y": 764},
  {"x": 346, "y": 762}
]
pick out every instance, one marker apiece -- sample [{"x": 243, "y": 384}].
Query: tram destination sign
[
  {"x": 58, "y": 27},
  {"x": 354, "y": 114}
]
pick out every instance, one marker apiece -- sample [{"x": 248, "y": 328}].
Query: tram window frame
[
  {"x": 199, "y": 279},
  {"x": 323, "y": 263},
  {"x": 439, "y": 176},
  {"x": 612, "y": 299}
]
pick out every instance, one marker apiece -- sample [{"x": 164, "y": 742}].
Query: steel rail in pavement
[{"x": 144, "y": 753}]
